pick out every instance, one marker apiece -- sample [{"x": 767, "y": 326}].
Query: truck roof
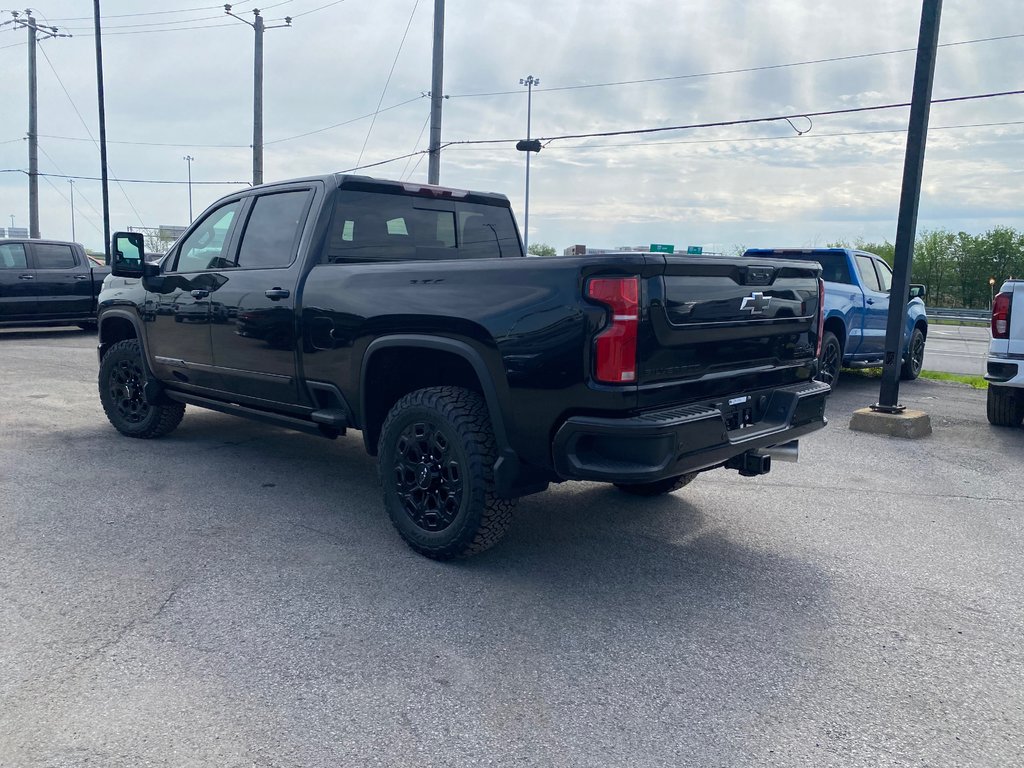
[
  {"x": 41, "y": 241},
  {"x": 389, "y": 186}
]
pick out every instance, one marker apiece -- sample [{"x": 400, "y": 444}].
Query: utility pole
[
  {"x": 529, "y": 81},
  {"x": 910, "y": 198},
  {"x": 257, "y": 87},
  {"x": 104, "y": 186},
  {"x": 188, "y": 159},
  {"x": 72, "y": 183},
  {"x": 35, "y": 33},
  {"x": 436, "y": 90}
]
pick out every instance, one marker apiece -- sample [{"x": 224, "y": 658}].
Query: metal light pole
[
  {"x": 991, "y": 292},
  {"x": 105, "y": 191},
  {"x": 72, "y": 183},
  {"x": 529, "y": 81},
  {"x": 257, "y": 87},
  {"x": 188, "y": 159}
]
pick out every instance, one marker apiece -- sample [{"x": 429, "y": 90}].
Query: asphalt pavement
[{"x": 233, "y": 595}]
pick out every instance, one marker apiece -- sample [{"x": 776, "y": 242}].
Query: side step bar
[{"x": 268, "y": 417}]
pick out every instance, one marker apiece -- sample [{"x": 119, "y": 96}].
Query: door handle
[
  {"x": 869, "y": 301},
  {"x": 81, "y": 277},
  {"x": 26, "y": 277},
  {"x": 200, "y": 293},
  {"x": 277, "y": 293}
]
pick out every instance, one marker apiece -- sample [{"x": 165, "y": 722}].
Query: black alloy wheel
[
  {"x": 915, "y": 357},
  {"x": 831, "y": 360},
  {"x": 428, "y": 476},
  {"x": 436, "y": 455},
  {"x": 122, "y": 385}
]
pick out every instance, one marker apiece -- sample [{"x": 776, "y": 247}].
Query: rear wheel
[
  {"x": 122, "y": 381},
  {"x": 657, "y": 487},
  {"x": 831, "y": 360},
  {"x": 437, "y": 454},
  {"x": 915, "y": 357},
  {"x": 1005, "y": 407}
]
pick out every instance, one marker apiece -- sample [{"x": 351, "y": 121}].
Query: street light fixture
[
  {"x": 188, "y": 159},
  {"x": 528, "y": 147},
  {"x": 991, "y": 292}
]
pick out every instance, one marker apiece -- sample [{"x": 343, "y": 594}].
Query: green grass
[
  {"x": 948, "y": 321},
  {"x": 977, "y": 382}
]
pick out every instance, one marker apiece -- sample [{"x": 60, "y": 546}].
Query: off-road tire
[
  {"x": 436, "y": 457},
  {"x": 912, "y": 366},
  {"x": 1005, "y": 406},
  {"x": 831, "y": 361},
  {"x": 121, "y": 381},
  {"x": 657, "y": 487}
]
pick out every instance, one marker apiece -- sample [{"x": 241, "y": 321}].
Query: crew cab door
[
  {"x": 179, "y": 300},
  {"x": 17, "y": 283},
  {"x": 62, "y": 286},
  {"x": 876, "y": 307},
  {"x": 253, "y": 324}
]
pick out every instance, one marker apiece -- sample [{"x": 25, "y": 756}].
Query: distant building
[{"x": 575, "y": 250}]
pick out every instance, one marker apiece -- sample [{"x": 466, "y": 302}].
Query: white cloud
[{"x": 195, "y": 87}]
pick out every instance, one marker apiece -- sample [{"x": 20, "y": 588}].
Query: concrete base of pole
[{"x": 910, "y": 424}]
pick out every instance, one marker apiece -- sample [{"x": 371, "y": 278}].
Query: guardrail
[{"x": 978, "y": 315}]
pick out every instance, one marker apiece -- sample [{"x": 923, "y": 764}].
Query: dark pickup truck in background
[
  {"x": 475, "y": 375},
  {"x": 48, "y": 282}
]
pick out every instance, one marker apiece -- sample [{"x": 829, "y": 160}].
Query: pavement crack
[{"x": 133, "y": 624}]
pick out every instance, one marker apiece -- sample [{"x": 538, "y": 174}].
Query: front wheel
[
  {"x": 1004, "y": 408},
  {"x": 657, "y": 487},
  {"x": 436, "y": 457},
  {"x": 915, "y": 357},
  {"x": 122, "y": 381}
]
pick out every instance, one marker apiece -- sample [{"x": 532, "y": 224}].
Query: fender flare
[
  {"x": 507, "y": 467},
  {"x": 442, "y": 344}
]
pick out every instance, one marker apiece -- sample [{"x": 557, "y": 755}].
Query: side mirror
[
  {"x": 918, "y": 291},
  {"x": 127, "y": 254}
]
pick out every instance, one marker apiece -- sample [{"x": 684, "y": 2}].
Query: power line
[
  {"x": 149, "y": 143},
  {"x": 61, "y": 193},
  {"x": 306, "y": 13},
  {"x": 86, "y": 126},
  {"x": 415, "y": 147},
  {"x": 380, "y": 101},
  {"x": 131, "y": 181},
  {"x": 346, "y": 122},
  {"x": 149, "y": 13},
  {"x": 61, "y": 172},
  {"x": 741, "y": 70},
  {"x": 742, "y": 121}
]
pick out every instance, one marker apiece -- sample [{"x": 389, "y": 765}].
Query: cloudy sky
[{"x": 179, "y": 82}]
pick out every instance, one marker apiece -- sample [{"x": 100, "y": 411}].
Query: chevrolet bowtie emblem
[{"x": 756, "y": 303}]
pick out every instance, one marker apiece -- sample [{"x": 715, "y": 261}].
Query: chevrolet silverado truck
[
  {"x": 48, "y": 282},
  {"x": 857, "y": 302},
  {"x": 1005, "y": 366},
  {"x": 476, "y": 375}
]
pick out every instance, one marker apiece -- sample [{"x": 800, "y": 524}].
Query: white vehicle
[{"x": 1005, "y": 370}]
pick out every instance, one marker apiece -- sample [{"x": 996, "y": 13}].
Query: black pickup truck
[
  {"x": 48, "y": 282},
  {"x": 475, "y": 375}
]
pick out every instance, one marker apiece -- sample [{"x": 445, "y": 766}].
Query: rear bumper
[
  {"x": 674, "y": 441},
  {"x": 1007, "y": 372}
]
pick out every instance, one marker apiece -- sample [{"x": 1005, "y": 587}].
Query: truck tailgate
[{"x": 722, "y": 319}]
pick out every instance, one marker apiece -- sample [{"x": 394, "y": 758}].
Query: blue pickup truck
[{"x": 857, "y": 285}]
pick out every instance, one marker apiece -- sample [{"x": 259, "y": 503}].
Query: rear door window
[
  {"x": 52, "y": 256},
  {"x": 272, "y": 233}
]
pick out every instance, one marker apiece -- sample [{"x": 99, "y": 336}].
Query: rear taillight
[
  {"x": 615, "y": 346},
  {"x": 1001, "y": 315},
  {"x": 821, "y": 314}
]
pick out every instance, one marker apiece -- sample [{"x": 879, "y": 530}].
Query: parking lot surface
[
  {"x": 957, "y": 349},
  {"x": 233, "y": 595}
]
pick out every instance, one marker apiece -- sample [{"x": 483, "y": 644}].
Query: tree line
[{"x": 957, "y": 266}]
